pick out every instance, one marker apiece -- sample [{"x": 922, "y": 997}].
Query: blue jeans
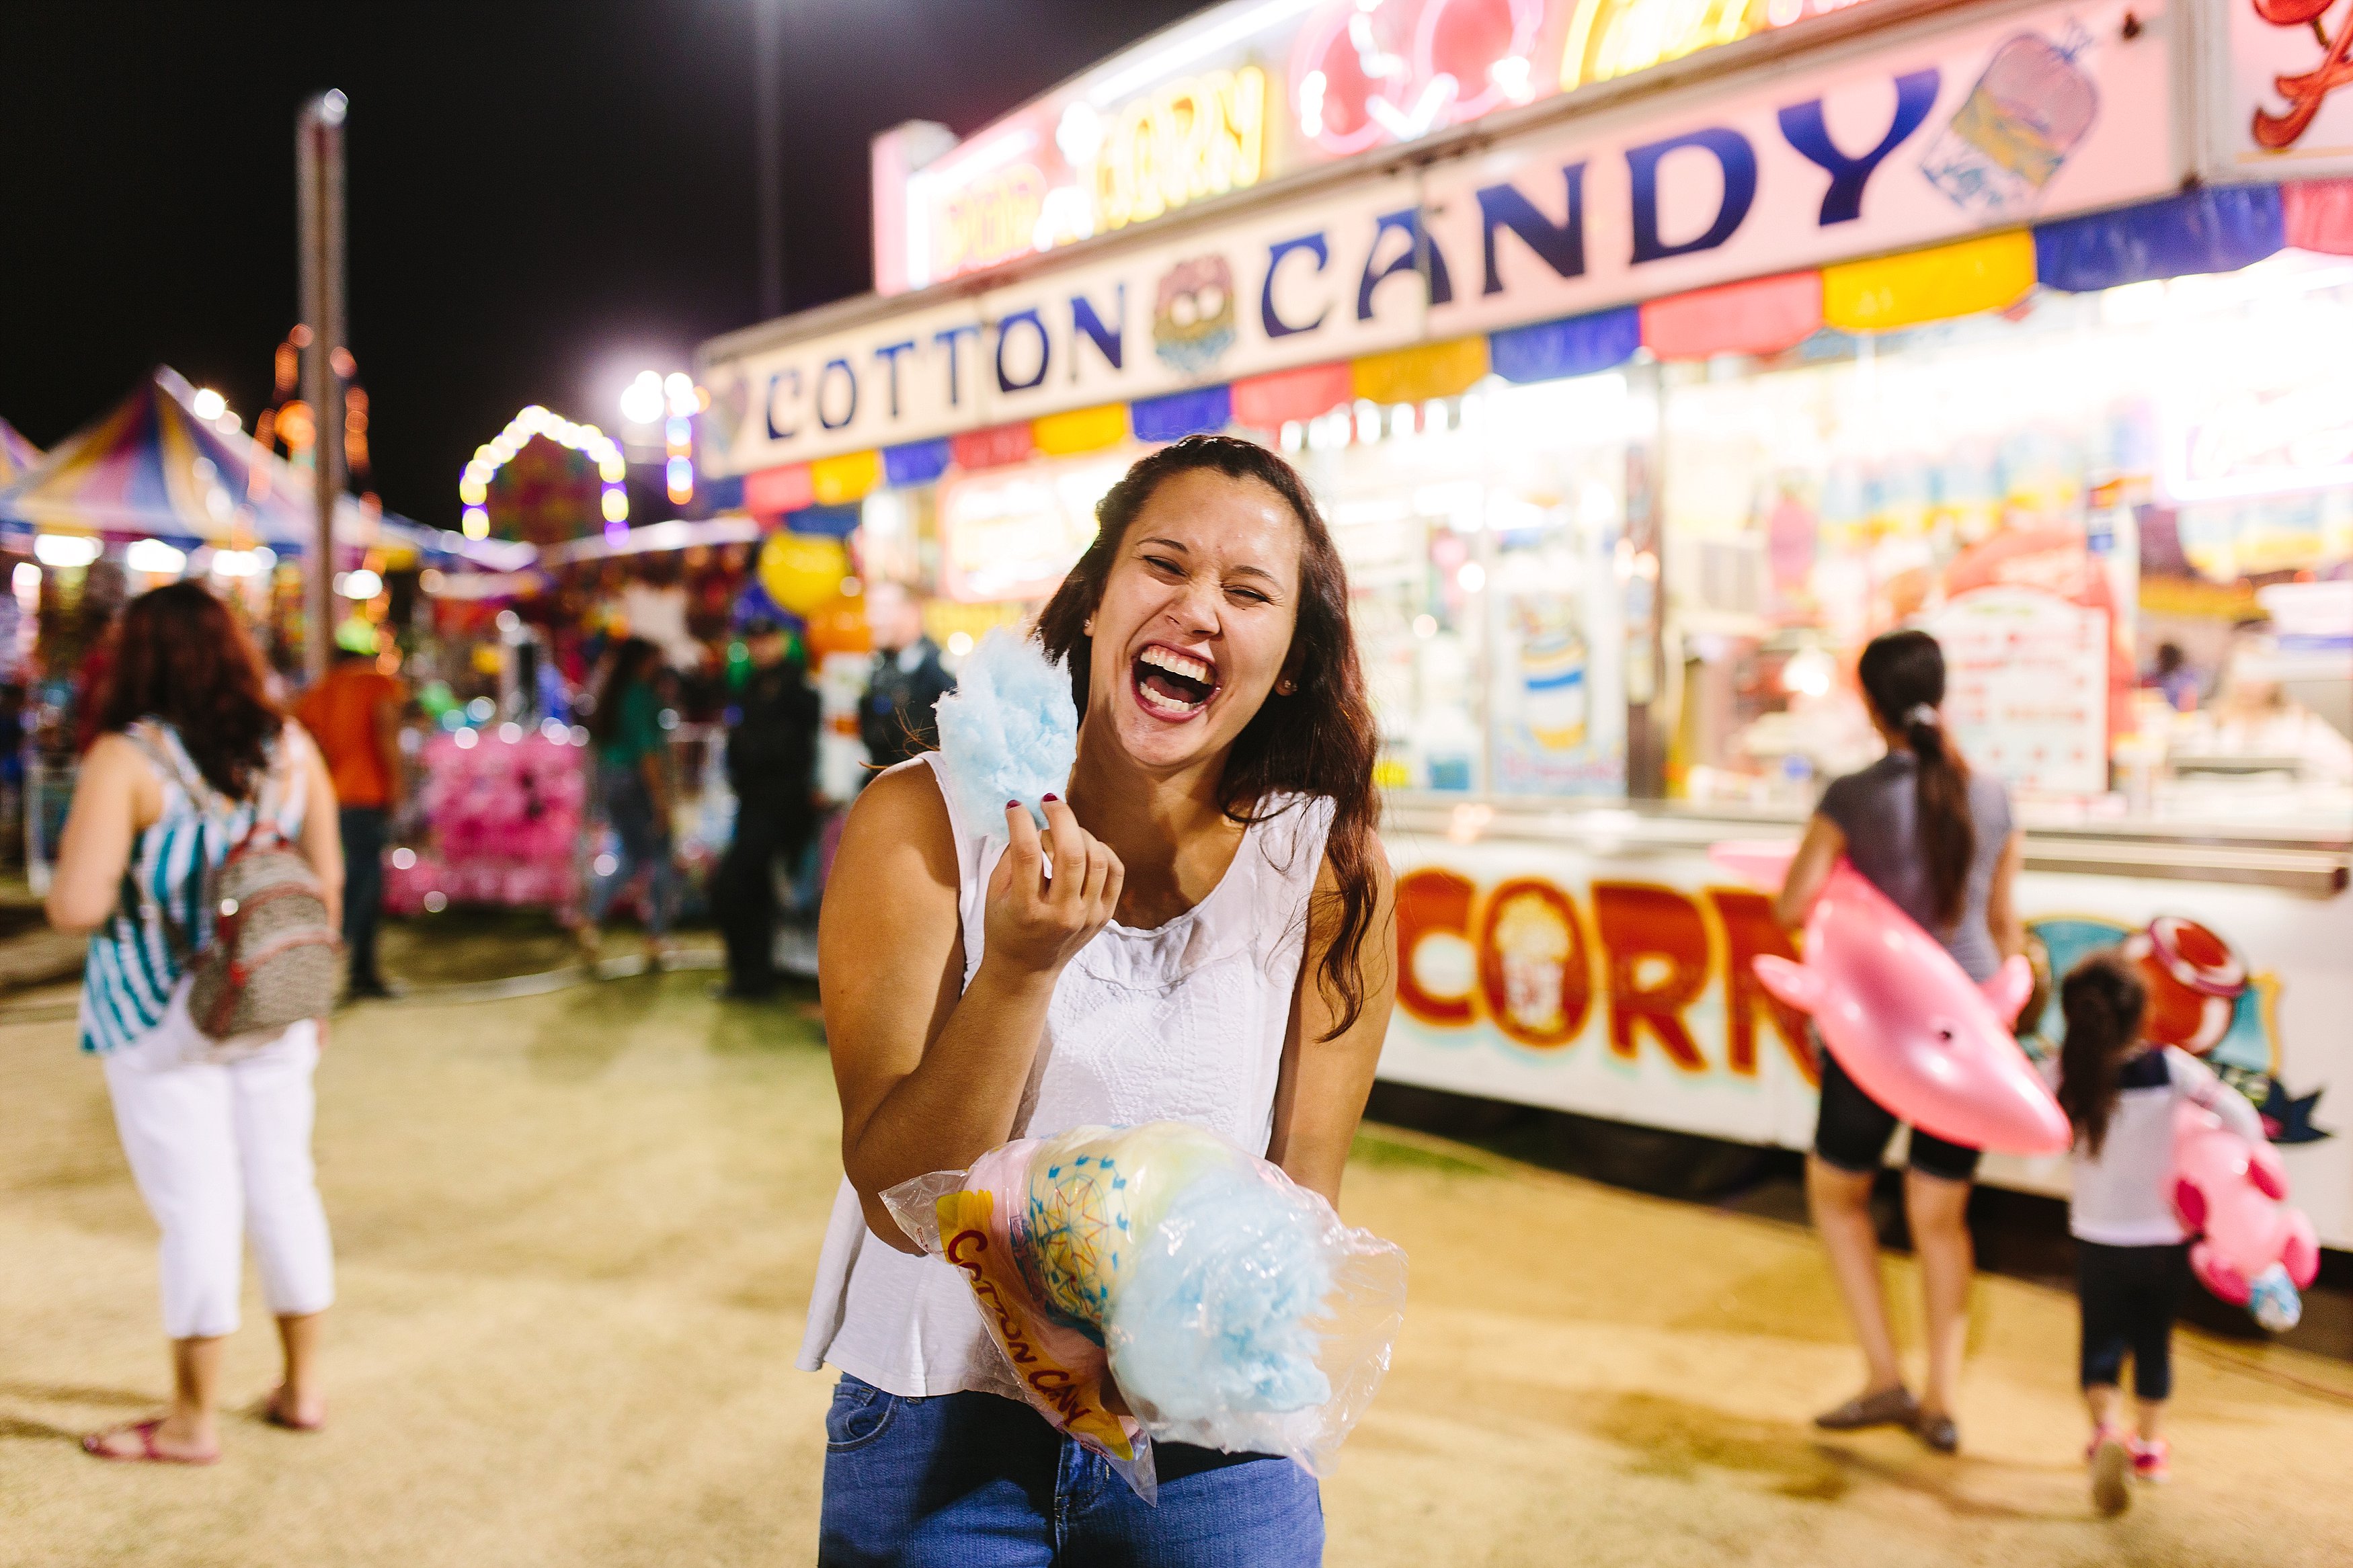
[
  {"x": 645, "y": 847},
  {"x": 972, "y": 1480}
]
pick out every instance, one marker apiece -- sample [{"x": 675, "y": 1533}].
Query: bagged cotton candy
[
  {"x": 1009, "y": 730},
  {"x": 1214, "y": 1320},
  {"x": 1158, "y": 1283}
]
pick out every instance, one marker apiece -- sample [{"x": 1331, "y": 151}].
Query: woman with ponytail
[
  {"x": 2131, "y": 1253},
  {"x": 1937, "y": 840}
]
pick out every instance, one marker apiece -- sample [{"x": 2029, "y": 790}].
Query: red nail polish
[
  {"x": 1053, "y": 797},
  {"x": 1012, "y": 805}
]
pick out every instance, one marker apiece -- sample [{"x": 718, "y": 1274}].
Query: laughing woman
[{"x": 1214, "y": 946}]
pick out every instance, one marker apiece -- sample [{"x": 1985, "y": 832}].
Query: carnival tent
[
  {"x": 153, "y": 469},
  {"x": 17, "y": 456}
]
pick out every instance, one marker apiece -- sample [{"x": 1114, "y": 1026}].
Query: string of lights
[{"x": 474, "y": 484}]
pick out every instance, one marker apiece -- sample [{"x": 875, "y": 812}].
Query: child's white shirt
[{"x": 2123, "y": 1195}]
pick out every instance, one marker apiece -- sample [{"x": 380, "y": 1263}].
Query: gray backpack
[{"x": 274, "y": 958}]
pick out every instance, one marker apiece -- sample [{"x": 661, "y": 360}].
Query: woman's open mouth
[{"x": 1171, "y": 685}]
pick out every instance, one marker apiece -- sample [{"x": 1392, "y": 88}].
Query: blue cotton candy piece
[
  {"x": 1212, "y": 1323},
  {"x": 1009, "y": 732}
]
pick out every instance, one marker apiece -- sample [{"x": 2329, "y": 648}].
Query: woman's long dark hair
[
  {"x": 1318, "y": 741},
  {"x": 1903, "y": 673},
  {"x": 180, "y": 657},
  {"x": 632, "y": 665},
  {"x": 2102, "y": 1000}
]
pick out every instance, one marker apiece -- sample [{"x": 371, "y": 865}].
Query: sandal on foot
[
  {"x": 95, "y": 1446},
  {"x": 1888, "y": 1407},
  {"x": 273, "y": 1410}
]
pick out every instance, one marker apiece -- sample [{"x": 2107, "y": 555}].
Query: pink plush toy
[
  {"x": 2253, "y": 1250},
  {"x": 506, "y": 820},
  {"x": 1912, "y": 1030}
]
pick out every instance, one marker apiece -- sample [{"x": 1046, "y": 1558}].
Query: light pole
[
  {"x": 319, "y": 201},
  {"x": 768, "y": 152}
]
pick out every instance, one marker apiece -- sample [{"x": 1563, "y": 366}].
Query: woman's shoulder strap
[
  {"x": 906, "y": 808},
  {"x": 967, "y": 839},
  {"x": 160, "y": 744},
  {"x": 278, "y": 791}
]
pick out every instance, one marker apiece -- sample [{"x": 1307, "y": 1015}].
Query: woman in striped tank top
[{"x": 217, "y": 1146}]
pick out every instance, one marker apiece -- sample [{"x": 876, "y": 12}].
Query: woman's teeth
[
  {"x": 1175, "y": 663},
  {"x": 1172, "y": 683},
  {"x": 1161, "y": 704}
]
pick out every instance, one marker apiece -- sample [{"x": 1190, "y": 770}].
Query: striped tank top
[{"x": 132, "y": 969}]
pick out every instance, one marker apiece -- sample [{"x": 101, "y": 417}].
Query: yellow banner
[
  {"x": 838, "y": 482},
  {"x": 1417, "y": 375},
  {"x": 1936, "y": 285},
  {"x": 1080, "y": 430}
]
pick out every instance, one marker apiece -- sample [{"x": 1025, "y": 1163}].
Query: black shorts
[
  {"x": 1853, "y": 1130},
  {"x": 2129, "y": 1296}
]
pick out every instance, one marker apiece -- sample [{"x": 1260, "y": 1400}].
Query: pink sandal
[
  {"x": 148, "y": 1453},
  {"x": 274, "y": 1411}
]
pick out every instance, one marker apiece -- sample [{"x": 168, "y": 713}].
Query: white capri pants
[{"x": 219, "y": 1150}]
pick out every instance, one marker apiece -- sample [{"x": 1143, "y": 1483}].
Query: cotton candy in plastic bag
[
  {"x": 1157, "y": 1283},
  {"x": 1009, "y": 732}
]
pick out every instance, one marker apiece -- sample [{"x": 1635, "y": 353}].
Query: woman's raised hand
[{"x": 1035, "y": 922}]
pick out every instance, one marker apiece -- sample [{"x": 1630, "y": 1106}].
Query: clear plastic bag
[{"x": 1157, "y": 1282}]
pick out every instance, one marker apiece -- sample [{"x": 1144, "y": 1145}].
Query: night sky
[{"x": 545, "y": 198}]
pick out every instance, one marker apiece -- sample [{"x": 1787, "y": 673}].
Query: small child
[{"x": 2132, "y": 1253}]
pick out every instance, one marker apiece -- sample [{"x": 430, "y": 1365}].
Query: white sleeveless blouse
[{"x": 1184, "y": 1021}]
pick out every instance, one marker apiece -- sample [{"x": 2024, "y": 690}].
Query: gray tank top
[{"x": 1878, "y": 810}]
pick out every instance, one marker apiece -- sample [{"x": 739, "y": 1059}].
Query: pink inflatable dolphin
[
  {"x": 1902, "y": 1018},
  {"x": 2254, "y": 1250}
]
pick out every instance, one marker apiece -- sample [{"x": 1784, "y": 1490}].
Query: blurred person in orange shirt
[{"x": 353, "y": 714}]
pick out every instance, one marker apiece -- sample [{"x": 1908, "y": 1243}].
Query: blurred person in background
[
  {"x": 353, "y": 715},
  {"x": 217, "y": 1134},
  {"x": 907, "y": 682},
  {"x": 2254, "y": 717},
  {"x": 633, "y": 779},
  {"x": 2174, "y": 678},
  {"x": 1940, "y": 841},
  {"x": 772, "y": 768},
  {"x": 89, "y": 693}
]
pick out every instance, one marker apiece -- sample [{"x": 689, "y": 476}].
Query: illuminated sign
[
  {"x": 991, "y": 220},
  {"x": 1017, "y": 192},
  {"x": 1254, "y": 89},
  {"x": 1554, "y": 222},
  {"x": 1013, "y": 532},
  {"x": 1608, "y": 39},
  {"x": 1200, "y": 136},
  {"x": 2281, "y": 75},
  {"x": 1397, "y": 69}
]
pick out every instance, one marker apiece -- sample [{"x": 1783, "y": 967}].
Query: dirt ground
[{"x": 577, "y": 1230}]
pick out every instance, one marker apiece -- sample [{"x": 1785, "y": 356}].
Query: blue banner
[
  {"x": 1182, "y": 414},
  {"x": 1573, "y": 345},
  {"x": 2217, "y": 229}
]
